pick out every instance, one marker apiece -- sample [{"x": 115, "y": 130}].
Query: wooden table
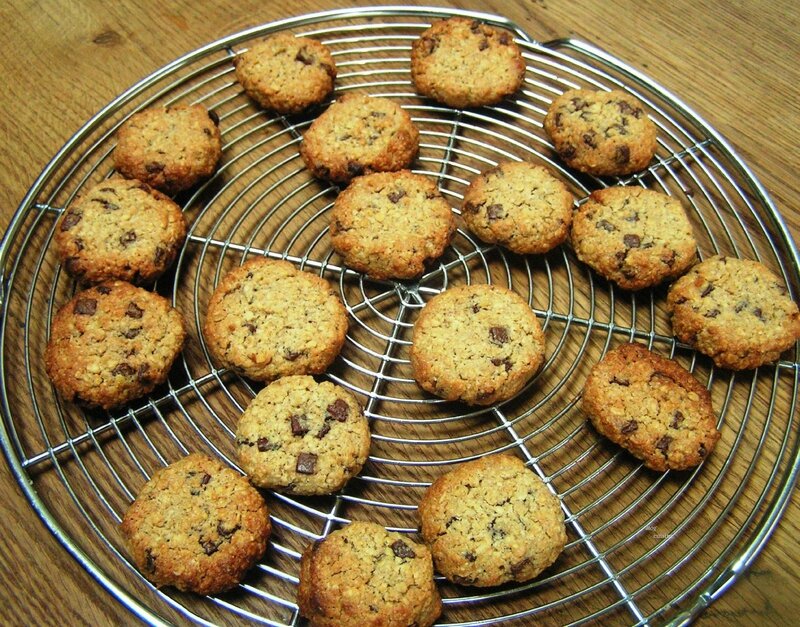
[{"x": 61, "y": 61}]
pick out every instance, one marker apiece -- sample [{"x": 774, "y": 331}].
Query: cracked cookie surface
[
  {"x": 520, "y": 206},
  {"x": 120, "y": 229},
  {"x": 286, "y": 74},
  {"x": 652, "y": 407},
  {"x": 112, "y": 343},
  {"x": 389, "y": 224},
  {"x": 601, "y": 132},
  {"x": 491, "y": 521},
  {"x": 196, "y": 525},
  {"x": 266, "y": 319},
  {"x": 358, "y": 135},
  {"x": 736, "y": 311},
  {"x": 463, "y": 63},
  {"x": 365, "y": 575},
  {"x": 479, "y": 344},
  {"x": 302, "y": 437},
  {"x": 170, "y": 148},
  {"x": 633, "y": 236}
]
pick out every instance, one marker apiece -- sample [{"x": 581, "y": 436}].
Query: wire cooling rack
[{"x": 643, "y": 547}]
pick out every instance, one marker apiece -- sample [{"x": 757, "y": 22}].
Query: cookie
[
  {"x": 736, "y": 311},
  {"x": 169, "y": 148},
  {"x": 491, "y": 521},
  {"x": 601, "y": 132},
  {"x": 357, "y": 135},
  {"x": 197, "y": 526},
  {"x": 365, "y": 575},
  {"x": 286, "y": 74},
  {"x": 120, "y": 229},
  {"x": 463, "y": 63},
  {"x": 479, "y": 344},
  {"x": 634, "y": 237},
  {"x": 266, "y": 319},
  {"x": 520, "y": 206},
  {"x": 112, "y": 343},
  {"x": 302, "y": 437},
  {"x": 389, "y": 224},
  {"x": 652, "y": 407}
]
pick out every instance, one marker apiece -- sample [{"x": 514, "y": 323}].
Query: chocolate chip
[
  {"x": 263, "y": 445},
  {"x": 588, "y": 139},
  {"x": 131, "y": 333},
  {"x": 306, "y": 463},
  {"x": 298, "y": 429},
  {"x": 505, "y": 362},
  {"x": 124, "y": 369},
  {"x": 128, "y": 238},
  {"x": 464, "y": 581},
  {"x": 498, "y": 335},
  {"x": 517, "y": 568},
  {"x": 401, "y": 549},
  {"x": 741, "y": 306},
  {"x": 250, "y": 327},
  {"x": 677, "y": 419},
  {"x": 605, "y": 225},
  {"x": 622, "y": 155},
  {"x": 623, "y": 382},
  {"x": 579, "y": 103},
  {"x": 702, "y": 451},
  {"x": 712, "y": 314},
  {"x": 624, "y": 107},
  {"x": 476, "y": 308},
  {"x": 354, "y": 168},
  {"x": 207, "y": 132},
  {"x": 304, "y": 57},
  {"x": 70, "y": 219},
  {"x": 451, "y": 521},
  {"x": 557, "y": 120},
  {"x": 629, "y": 427},
  {"x": 160, "y": 256},
  {"x": 104, "y": 289},
  {"x": 149, "y": 561},
  {"x": 154, "y": 167},
  {"x": 227, "y": 532},
  {"x": 108, "y": 206},
  {"x": 429, "y": 44},
  {"x": 663, "y": 444},
  {"x": 495, "y": 212},
  {"x": 471, "y": 207},
  {"x": 680, "y": 300},
  {"x": 484, "y": 44},
  {"x": 638, "y": 112},
  {"x": 475, "y": 26},
  {"x": 631, "y": 241},
  {"x": 567, "y": 152},
  {"x": 134, "y": 311},
  {"x": 206, "y": 478},
  {"x": 209, "y": 546},
  {"x": 707, "y": 290},
  {"x": 214, "y": 117},
  {"x": 759, "y": 314},
  {"x": 338, "y": 410},
  {"x": 326, "y": 427},
  {"x": 141, "y": 374},
  {"x": 85, "y": 306},
  {"x": 634, "y": 217},
  {"x": 504, "y": 39},
  {"x": 291, "y": 355},
  {"x": 395, "y": 196},
  {"x": 470, "y": 557}
]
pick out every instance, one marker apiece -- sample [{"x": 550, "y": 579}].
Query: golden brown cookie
[
  {"x": 633, "y": 236},
  {"x": 266, "y": 319},
  {"x": 479, "y": 344},
  {"x": 169, "y": 148},
  {"x": 520, "y": 206},
  {"x": 389, "y": 224},
  {"x": 365, "y": 575},
  {"x": 357, "y": 135},
  {"x": 120, "y": 229},
  {"x": 112, "y": 343},
  {"x": 601, "y": 132},
  {"x": 463, "y": 63},
  {"x": 652, "y": 407},
  {"x": 286, "y": 74},
  {"x": 302, "y": 437},
  {"x": 491, "y": 521},
  {"x": 196, "y": 525},
  {"x": 736, "y": 311}
]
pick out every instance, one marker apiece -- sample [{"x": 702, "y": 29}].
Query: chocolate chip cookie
[
  {"x": 520, "y": 206},
  {"x": 196, "y": 525},
  {"x": 601, "y": 132},
  {"x": 286, "y": 74},
  {"x": 652, "y": 407},
  {"x": 491, "y": 521},
  {"x": 112, "y": 343},
  {"x": 302, "y": 437},
  {"x": 736, "y": 311},
  {"x": 389, "y": 224},
  {"x": 357, "y": 135},
  {"x": 479, "y": 344},
  {"x": 365, "y": 575},
  {"x": 169, "y": 148},
  {"x": 266, "y": 319},
  {"x": 120, "y": 229},
  {"x": 463, "y": 63},
  {"x": 633, "y": 236}
]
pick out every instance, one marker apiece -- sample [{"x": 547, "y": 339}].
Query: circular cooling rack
[{"x": 643, "y": 547}]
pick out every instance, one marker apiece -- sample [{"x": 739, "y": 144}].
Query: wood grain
[{"x": 61, "y": 62}]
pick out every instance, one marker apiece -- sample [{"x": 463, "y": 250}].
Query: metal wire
[{"x": 643, "y": 547}]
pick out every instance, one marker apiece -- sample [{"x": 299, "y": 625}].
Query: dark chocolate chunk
[
  {"x": 127, "y": 238},
  {"x": 326, "y": 427},
  {"x": 298, "y": 428},
  {"x": 579, "y": 103},
  {"x": 568, "y": 151},
  {"x": 495, "y": 212},
  {"x": 470, "y": 557},
  {"x": 498, "y": 335},
  {"x": 338, "y": 410},
  {"x": 206, "y": 478},
  {"x": 291, "y": 355},
  {"x": 622, "y": 155},
  {"x": 395, "y": 196},
  {"x": 759, "y": 314},
  {"x": 677, "y": 419},
  {"x": 304, "y": 57},
  {"x": 605, "y": 225},
  {"x": 707, "y": 290},
  {"x": 401, "y": 549},
  {"x": 134, "y": 311},
  {"x": 624, "y": 107},
  {"x": 588, "y": 139},
  {"x": 209, "y": 546},
  {"x": 629, "y": 427},
  {"x": 306, "y": 463},
  {"x": 70, "y": 219},
  {"x": 505, "y": 362},
  {"x": 631, "y": 241},
  {"x": 85, "y": 306},
  {"x": 263, "y": 445},
  {"x": 663, "y": 444},
  {"x": 124, "y": 369}
]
